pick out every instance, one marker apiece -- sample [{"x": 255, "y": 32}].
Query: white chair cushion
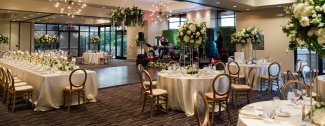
[
  {"x": 157, "y": 92},
  {"x": 73, "y": 88},
  {"x": 148, "y": 83},
  {"x": 20, "y": 84},
  {"x": 218, "y": 97},
  {"x": 17, "y": 80},
  {"x": 239, "y": 87},
  {"x": 240, "y": 76},
  {"x": 24, "y": 88}
]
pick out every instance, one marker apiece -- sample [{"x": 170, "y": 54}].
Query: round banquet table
[
  {"x": 261, "y": 69},
  {"x": 180, "y": 88},
  {"x": 92, "y": 58},
  {"x": 247, "y": 116}
]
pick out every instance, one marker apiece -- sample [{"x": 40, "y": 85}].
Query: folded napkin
[{"x": 250, "y": 114}]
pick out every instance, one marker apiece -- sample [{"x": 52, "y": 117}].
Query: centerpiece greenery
[
  {"x": 248, "y": 35},
  {"x": 306, "y": 25},
  {"x": 192, "y": 34},
  {"x": 127, "y": 16},
  {"x": 94, "y": 39},
  {"x": 42, "y": 38}
]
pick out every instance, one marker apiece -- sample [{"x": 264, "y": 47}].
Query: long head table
[{"x": 48, "y": 87}]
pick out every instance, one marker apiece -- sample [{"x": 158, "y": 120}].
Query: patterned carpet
[{"x": 117, "y": 106}]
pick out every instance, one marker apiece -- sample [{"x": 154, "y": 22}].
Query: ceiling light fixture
[
  {"x": 234, "y": 6},
  {"x": 248, "y": 9},
  {"x": 160, "y": 11},
  {"x": 69, "y": 7}
]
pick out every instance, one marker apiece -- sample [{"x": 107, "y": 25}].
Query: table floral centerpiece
[
  {"x": 4, "y": 39},
  {"x": 191, "y": 35},
  {"x": 53, "y": 40},
  {"x": 306, "y": 28},
  {"x": 318, "y": 116},
  {"x": 94, "y": 41}
]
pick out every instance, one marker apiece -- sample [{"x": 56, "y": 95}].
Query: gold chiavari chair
[
  {"x": 297, "y": 72},
  {"x": 293, "y": 86},
  {"x": 272, "y": 76},
  {"x": 234, "y": 72},
  {"x": 77, "y": 85},
  {"x": 306, "y": 71},
  {"x": 147, "y": 83},
  {"x": 201, "y": 109},
  {"x": 156, "y": 96},
  {"x": 2, "y": 84},
  {"x": 105, "y": 58},
  {"x": 247, "y": 88},
  {"x": 221, "y": 65},
  {"x": 25, "y": 91},
  {"x": 219, "y": 96}
]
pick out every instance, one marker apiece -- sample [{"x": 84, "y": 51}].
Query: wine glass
[
  {"x": 291, "y": 97},
  {"x": 277, "y": 104},
  {"x": 267, "y": 112}
]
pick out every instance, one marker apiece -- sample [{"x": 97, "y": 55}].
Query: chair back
[
  {"x": 140, "y": 68},
  {"x": 305, "y": 71},
  {"x": 231, "y": 58},
  {"x": 145, "y": 76},
  {"x": 201, "y": 109},
  {"x": 290, "y": 75},
  {"x": 274, "y": 69},
  {"x": 3, "y": 76},
  {"x": 78, "y": 78},
  {"x": 10, "y": 85},
  {"x": 293, "y": 86},
  {"x": 221, "y": 85},
  {"x": 220, "y": 65},
  {"x": 251, "y": 77},
  {"x": 233, "y": 68}
]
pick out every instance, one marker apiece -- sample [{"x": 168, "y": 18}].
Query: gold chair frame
[
  {"x": 221, "y": 64},
  {"x": 250, "y": 83},
  {"x": 286, "y": 85},
  {"x": 206, "y": 121},
  {"x": 153, "y": 98},
  {"x": 220, "y": 101},
  {"x": 74, "y": 88},
  {"x": 234, "y": 76},
  {"x": 271, "y": 77}
]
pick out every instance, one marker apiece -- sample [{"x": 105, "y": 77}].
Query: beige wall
[
  {"x": 14, "y": 36},
  {"x": 199, "y": 16},
  {"x": 275, "y": 43}
]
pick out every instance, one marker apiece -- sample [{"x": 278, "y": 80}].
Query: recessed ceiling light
[
  {"x": 217, "y": 2},
  {"x": 279, "y": 6},
  {"x": 234, "y": 6},
  {"x": 38, "y": 13},
  {"x": 248, "y": 9},
  {"x": 104, "y": 7},
  {"x": 25, "y": 17},
  {"x": 9, "y": 11}
]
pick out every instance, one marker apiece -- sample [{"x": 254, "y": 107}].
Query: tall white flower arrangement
[
  {"x": 248, "y": 35},
  {"x": 192, "y": 34},
  {"x": 4, "y": 39},
  {"x": 306, "y": 25}
]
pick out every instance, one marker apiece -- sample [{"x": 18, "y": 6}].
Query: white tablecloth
[
  {"x": 48, "y": 88},
  {"x": 181, "y": 88},
  {"x": 295, "y": 118},
  {"x": 92, "y": 58},
  {"x": 261, "y": 69}
]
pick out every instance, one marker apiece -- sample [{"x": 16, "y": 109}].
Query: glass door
[{"x": 121, "y": 45}]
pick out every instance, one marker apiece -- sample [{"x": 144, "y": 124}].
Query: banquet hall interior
[{"x": 162, "y": 62}]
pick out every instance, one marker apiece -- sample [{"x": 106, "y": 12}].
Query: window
[
  {"x": 176, "y": 20},
  {"x": 226, "y": 18}
]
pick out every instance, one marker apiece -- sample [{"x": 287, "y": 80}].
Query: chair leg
[
  {"x": 270, "y": 86},
  {"x": 84, "y": 99},
  {"x": 14, "y": 102},
  {"x": 213, "y": 108},
  {"x": 232, "y": 97},
  {"x": 78, "y": 98},
  {"x": 247, "y": 95},
  {"x": 261, "y": 84},
  {"x": 277, "y": 81},
  {"x": 236, "y": 99},
  {"x": 157, "y": 104},
  {"x": 152, "y": 104},
  {"x": 166, "y": 103},
  {"x": 70, "y": 98},
  {"x": 228, "y": 112},
  {"x": 144, "y": 102},
  {"x": 64, "y": 95}
]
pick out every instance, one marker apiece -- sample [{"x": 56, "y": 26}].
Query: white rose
[
  {"x": 199, "y": 40},
  {"x": 198, "y": 34},
  {"x": 323, "y": 7},
  {"x": 181, "y": 33},
  {"x": 192, "y": 41},
  {"x": 312, "y": 31},
  {"x": 180, "y": 29},
  {"x": 318, "y": 8},
  {"x": 321, "y": 36},
  {"x": 186, "y": 38},
  {"x": 300, "y": 42},
  {"x": 192, "y": 28},
  {"x": 298, "y": 9},
  {"x": 188, "y": 32},
  {"x": 304, "y": 22},
  {"x": 308, "y": 11}
]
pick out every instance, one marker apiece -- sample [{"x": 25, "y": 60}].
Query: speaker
[{"x": 141, "y": 36}]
